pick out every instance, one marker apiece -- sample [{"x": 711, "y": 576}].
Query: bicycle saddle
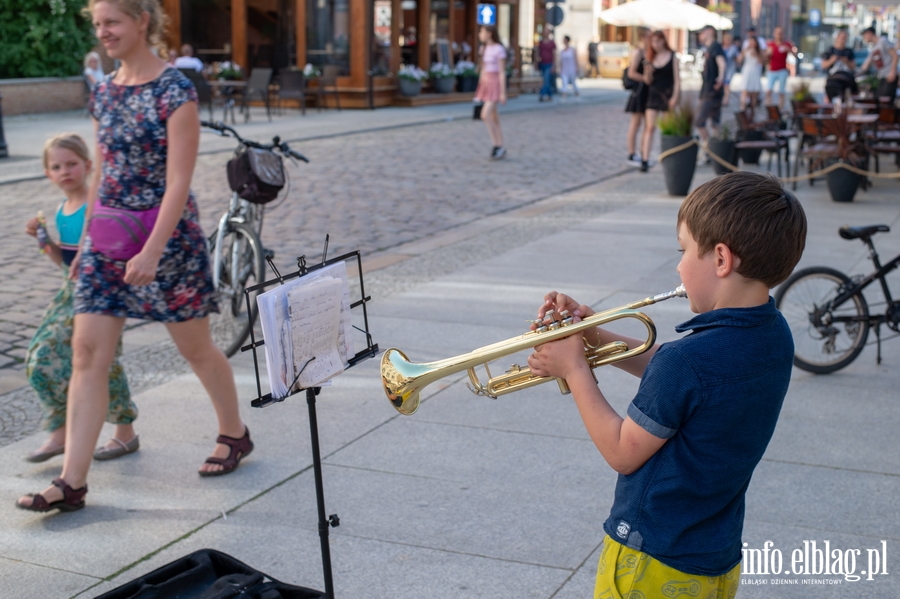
[{"x": 863, "y": 233}]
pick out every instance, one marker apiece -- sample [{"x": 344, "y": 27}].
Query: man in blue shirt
[{"x": 707, "y": 404}]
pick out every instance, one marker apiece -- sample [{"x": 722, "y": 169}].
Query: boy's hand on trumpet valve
[
  {"x": 560, "y": 358},
  {"x": 558, "y": 303}
]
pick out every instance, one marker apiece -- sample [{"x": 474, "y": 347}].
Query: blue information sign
[
  {"x": 487, "y": 14},
  {"x": 815, "y": 17}
]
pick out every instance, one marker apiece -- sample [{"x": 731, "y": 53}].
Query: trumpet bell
[{"x": 397, "y": 376}]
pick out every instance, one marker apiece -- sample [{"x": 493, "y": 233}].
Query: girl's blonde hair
[
  {"x": 156, "y": 28},
  {"x": 66, "y": 141},
  {"x": 89, "y": 56}
]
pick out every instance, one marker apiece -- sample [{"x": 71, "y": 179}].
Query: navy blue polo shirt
[{"x": 715, "y": 394}]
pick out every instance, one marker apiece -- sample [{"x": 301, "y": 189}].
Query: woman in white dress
[{"x": 751, "y": 70}]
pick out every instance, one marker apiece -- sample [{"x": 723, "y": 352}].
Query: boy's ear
[{"x": 726, "y": 261}]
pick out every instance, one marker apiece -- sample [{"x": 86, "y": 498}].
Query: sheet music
[
  {"x": 281, "y": 334},
  {"x": 316, "y": 328}
]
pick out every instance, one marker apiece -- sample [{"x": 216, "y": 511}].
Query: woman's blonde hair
[
  {"x": 156, "y": 28},
  {"x": 66, "y": 141}
]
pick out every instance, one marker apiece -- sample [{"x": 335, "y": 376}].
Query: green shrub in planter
[
  {"x": 722, "y": 145},
  {"x": 675, "y": 130}
]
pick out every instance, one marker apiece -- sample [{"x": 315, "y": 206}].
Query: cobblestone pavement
[{"x": 369, "y": 191}]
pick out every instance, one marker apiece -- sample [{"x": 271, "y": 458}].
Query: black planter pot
[
  {"x": 752, "y": 156},
  {"x": 842, "y": 184},
  {"x": 678, "y": 168},
  {"x": 725, "y": 151},
  {"x": 469, "y": 83}
]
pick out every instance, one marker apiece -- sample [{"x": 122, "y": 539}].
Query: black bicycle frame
[{"x": 879, "y": 274}]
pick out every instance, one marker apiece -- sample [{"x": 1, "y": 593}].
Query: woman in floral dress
[{"x": 147, "y": 123}]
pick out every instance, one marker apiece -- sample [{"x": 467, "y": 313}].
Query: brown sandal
[
  {"x": 73, "y": 499},
  {"x": 239, "y": 449}
]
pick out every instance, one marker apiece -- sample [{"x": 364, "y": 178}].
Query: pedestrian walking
[
  {"x": 883, "y": 57},
  {"x": 840, "y": 64},
  {"x": 48, "y": 362},
  {"x": 712, "y": 88},
  {"x": 663, "y": 83},
  {"x": 732, "y": 49},
  {"x": 148, "y": 130},
  {"x": 777, "y": 54},
  {"x": 637, "y": 101},
  {"x": 593, "y": 54},
  {"x": 751, "y": 60},
  {"x": 93, "y": 70},
  {"x": 491, "y": 88},
  {"x": 547, "y": 61},
  {"x": 568, "y": 68}
]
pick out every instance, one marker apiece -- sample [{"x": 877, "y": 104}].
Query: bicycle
[
  {"x": 237, "y": 256},
  {"x": 828, "y": 313}
]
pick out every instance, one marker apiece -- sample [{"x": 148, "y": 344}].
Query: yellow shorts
[{"x": 624, "y": 573}]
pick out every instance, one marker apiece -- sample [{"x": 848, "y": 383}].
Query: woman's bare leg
[
  {"x": 492, "y": 122},
  {"x": 93, "y": 348},
  {"x": 498, "y": 132},
  {"x": 194, "y": 342},
  {"x": 649, "y": 125},
  {"x": 633, "y": 126}
]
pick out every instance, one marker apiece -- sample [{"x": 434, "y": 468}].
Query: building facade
[{"x": 361, "y": 42}]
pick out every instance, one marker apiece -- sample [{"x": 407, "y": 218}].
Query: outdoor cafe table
[{"x": 227, "y": 90}]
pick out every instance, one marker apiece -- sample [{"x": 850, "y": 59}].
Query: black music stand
[{"x": 263, "y": 401}]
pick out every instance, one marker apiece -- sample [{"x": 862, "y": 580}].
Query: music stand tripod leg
[{"x": 324, "y": 522}]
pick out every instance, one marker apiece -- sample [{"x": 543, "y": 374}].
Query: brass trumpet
[{"x": 403, "y": 380}]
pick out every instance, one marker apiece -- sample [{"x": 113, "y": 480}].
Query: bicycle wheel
[
  {"x": 241, "y": 266},
  {"x": 826, "y": 337}
]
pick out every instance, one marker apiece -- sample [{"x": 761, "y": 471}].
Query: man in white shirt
[
  {"x": 882, "y": 56},
  {"x": 187, "y": 59}
]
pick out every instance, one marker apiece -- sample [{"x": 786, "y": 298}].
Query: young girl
[
  {"x": 492, "y": 85},
  {"x": 751, "y": 70},
  {"x": 568, "y": 68},
  {"x": 48, "y": 364}
]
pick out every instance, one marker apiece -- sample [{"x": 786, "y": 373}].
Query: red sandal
[
  {"x": 73, "y": 499},
  {"x": 239, "y": 449}
]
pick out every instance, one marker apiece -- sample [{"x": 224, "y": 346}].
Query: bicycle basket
[{"x": 256, "y": 175}]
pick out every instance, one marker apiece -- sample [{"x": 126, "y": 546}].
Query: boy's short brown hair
[{"x": 759, "y": 220}]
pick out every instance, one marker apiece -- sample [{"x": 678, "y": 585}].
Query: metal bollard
[{"x": 4, "y": 152}]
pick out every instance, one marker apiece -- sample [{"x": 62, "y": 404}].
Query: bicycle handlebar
[{"x": 277, "y": 144}]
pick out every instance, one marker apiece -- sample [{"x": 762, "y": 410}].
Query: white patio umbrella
[{"x": 664, "y": 14}]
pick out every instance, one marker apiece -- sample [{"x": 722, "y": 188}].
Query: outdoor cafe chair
[
  {"x": 257, "y": 86},
  {"x": 327, "y": 84},
  {"x": 770, "y": 143},
  {"x": 292, "y": 86}
]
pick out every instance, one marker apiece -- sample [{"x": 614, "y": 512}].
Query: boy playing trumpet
[{"x": 707, "y": 403}]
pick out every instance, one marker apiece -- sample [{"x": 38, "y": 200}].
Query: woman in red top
[{"x": 777, "y": 53}]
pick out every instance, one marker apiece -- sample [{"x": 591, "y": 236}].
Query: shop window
[
  {"x": 409, "y": 34},
  {"x": 381, "y": 52},
  {"x": 328, "y": 35}
]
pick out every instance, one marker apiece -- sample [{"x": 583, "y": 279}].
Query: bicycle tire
[
  {"x": 821, "y": 345},
  {"x": 231, "y": 326}
]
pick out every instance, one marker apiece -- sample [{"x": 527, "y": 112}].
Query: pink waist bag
[{"x": 120, "y": 234}]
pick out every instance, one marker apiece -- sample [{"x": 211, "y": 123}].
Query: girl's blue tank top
[{"x": 70, "y": 227}]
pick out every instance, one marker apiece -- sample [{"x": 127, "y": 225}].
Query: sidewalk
[
  {"x": 472, "y": 497},
  {"x": 26, "y": 134}
]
